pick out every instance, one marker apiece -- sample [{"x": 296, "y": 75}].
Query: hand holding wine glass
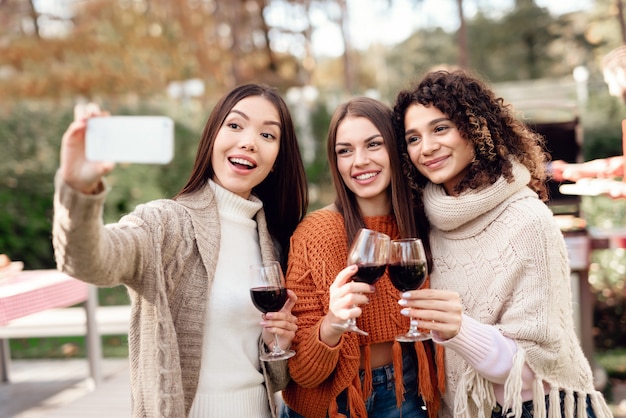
[
  {"x": 268, "y": 292},
  {"x": 370, "y": 252},
  {"x": 407, "y": 271}
]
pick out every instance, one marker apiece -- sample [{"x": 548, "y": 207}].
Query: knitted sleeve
[
  {"x": 119, "y": 253},
  {"x": 484, "y": 348},
  {"x": 313, "y": 265}
]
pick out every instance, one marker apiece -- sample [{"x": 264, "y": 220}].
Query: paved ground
[{"x": 61, "y": 389}]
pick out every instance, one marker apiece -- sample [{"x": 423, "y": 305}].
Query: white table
[{"x": 32, "y": 291}]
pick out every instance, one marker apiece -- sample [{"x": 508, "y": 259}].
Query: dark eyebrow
[
  {"x": 368, "y": 139},
  {"x": 436, "y": 121},
  {"x": 243, "y": 115},
  {"x": 431, "y": 123}
]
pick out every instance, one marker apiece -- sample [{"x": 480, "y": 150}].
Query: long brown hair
[
  {"x": 484, "y": 120},
  {"x": 284, "y": 192},
  {"x": 410, "y": 224}
]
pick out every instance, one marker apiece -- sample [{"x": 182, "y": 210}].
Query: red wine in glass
[
  {"x": 268, "y": 299},
  {"x": 407, "y": 271},
  {"x": 408, "y": 276},
  {"x": 268, "y": 294},
  {"x": 369, "y": 273},
  {"x": 370, "y": 252}
]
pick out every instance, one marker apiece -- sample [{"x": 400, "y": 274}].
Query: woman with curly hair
[{"x": 511, "y": 348}]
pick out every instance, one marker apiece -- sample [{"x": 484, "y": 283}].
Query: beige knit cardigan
[
  {"x": 165, "y": 253},
  {"x": 501, "y": 249}
]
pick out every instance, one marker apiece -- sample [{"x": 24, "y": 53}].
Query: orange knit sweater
[{"x": 320, "y": 373}]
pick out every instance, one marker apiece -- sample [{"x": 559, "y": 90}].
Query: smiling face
[
  {"x": 246, "y": 145},
  {"x": 363, "y": 163},
  {"x": 436, "y": 146}
]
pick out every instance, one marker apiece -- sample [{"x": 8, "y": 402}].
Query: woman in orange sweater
[{"x": 337, "y": 373}]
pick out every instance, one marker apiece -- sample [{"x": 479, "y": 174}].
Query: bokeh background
[{"x": 176, "y": 57}]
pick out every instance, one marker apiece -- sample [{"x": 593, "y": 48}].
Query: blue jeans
[
  {"x": 382, "y": 401},
  {"x": 527, "y": 408}
]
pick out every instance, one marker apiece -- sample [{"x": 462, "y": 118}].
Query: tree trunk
[
  {"x": 620, "y": 15},
  {"x": 35, "y": 16},
  {"x": 463, "y": 51},
  {"x": 347, "y": 53}
]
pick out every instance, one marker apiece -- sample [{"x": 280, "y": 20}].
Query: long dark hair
[
  {"x": 484, "y": 120},
  {"x": 411, "y": 223},
  {"x": 284, "y": 192}
]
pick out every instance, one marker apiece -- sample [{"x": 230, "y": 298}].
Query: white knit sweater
[
  {"x": 500, "y": 248},
  {"x": 231, "y": 383}
]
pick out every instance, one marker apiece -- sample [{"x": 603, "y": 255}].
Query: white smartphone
[{"x": 130, "y": 139}]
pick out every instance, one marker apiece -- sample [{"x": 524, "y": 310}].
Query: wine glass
[
  {"x": 268, "y": 292},
  {"x": 407, "y": 271},
  {"x": 370, "y": 252}
]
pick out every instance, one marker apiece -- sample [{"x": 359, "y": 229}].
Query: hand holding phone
[{"x": 130, "y": 139}]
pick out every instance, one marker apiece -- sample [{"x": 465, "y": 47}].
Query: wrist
[
  {"x": 328, "y": 334},
  {"x": 94, "y": 189}
]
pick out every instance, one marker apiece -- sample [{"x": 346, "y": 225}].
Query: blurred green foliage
[
  {"x": 66, "y": 347},
  {"x": 614, "y": 362},
  {"x": 30, "y": 136},
  {"x": 601, "y": 119},
  {"x": 607, "y": 272}
]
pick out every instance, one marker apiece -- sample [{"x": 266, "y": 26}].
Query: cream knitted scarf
[{"x": 500, "y": 248}]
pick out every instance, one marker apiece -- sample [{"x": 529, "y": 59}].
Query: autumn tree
[{"x": 122, "y": 47}]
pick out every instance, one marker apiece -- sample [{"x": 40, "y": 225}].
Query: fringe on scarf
[
  {"x": 398, "y": 373},
  {"x": 568, "y": 403},
  {"x": 581, "y": 407},
  {"x": 441, "y": 372},
  {"x": 539, "y": 408},
  {"x": 472, "y": 386},
  {"x": 513, "y": 385},
  {"x": 598, "y": 405},
  {"x": 333, "y": 410},
  {"x": 433, "y": 398},
  {"x": 423, "y": 372},
  {"x": 367, "y": 380},
  {"x": 356, "y": 405},
  {"x": 461, "y": 404},
  {"x": 554, "y": 410}
]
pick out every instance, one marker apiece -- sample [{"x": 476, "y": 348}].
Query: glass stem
[
  {"x": 276, "y": 349},
  {"x": 413, "y": 327}
]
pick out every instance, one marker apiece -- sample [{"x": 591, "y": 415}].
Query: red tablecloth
[{"x": 32, "y": 291}]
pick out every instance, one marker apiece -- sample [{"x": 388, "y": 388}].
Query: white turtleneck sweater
[
  {"x": 501, "y": 250},
  {"x": 231, "y": 383}
]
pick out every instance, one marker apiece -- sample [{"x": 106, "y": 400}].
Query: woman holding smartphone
[{"x": 195, "y": 339}]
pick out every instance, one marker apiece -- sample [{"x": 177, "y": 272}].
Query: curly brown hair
[{"x": 485, "y": 121}]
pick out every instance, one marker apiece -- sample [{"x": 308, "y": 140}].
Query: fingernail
[
  {"x": 403, "y": 302},
  {"x": 263, "y": 323},
  {"x": 405, "y": 311},
  {"x": 372, "y": 289},
  {"x": 406, "y": 295}
]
